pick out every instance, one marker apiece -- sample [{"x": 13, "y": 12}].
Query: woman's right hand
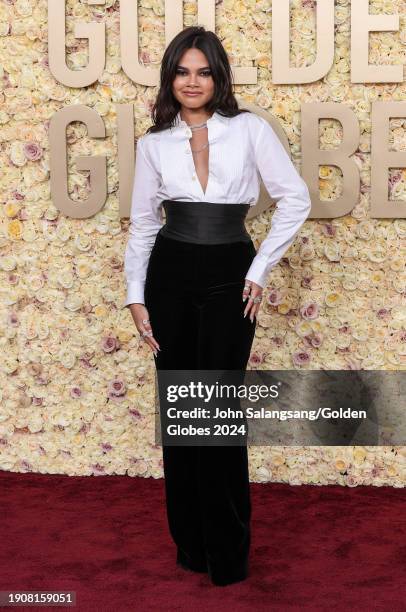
[{"x": 141, "y": 319}]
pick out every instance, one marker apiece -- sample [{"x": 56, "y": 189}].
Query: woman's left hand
[{"x": 253, "y": 292}]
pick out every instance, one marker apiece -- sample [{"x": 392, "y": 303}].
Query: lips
[{"x": 192, "y": 93}]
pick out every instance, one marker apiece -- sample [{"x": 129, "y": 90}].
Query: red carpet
[{"x": 313, "y": 548}]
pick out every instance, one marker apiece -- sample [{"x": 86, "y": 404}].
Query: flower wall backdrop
[{"x": 77, "y": 393}]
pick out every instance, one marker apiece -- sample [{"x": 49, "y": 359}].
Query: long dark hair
[{"x": 166, "y": 106}]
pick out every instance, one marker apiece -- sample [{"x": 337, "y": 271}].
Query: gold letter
[
  {"x": 96, "y": 163},
  {"x": 313, "y": 157},
  {"x": 362, "y": 23},
  {"x": 382, "y": 160},
  {"x": 282, "y": 72},
  {"x": 126, "y": 156},
  {"x": 95, "y": 32}
]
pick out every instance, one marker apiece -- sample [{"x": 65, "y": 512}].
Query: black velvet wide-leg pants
[{"x": 193, "y": 294}]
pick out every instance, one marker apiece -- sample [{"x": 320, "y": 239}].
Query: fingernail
[
  {"x": 245, "y": 314},
  {"x": 244, "y": 298}
]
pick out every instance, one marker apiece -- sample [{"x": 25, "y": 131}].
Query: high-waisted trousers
[{"x": 193, "y": 294}]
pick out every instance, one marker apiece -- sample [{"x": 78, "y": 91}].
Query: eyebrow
[{"x": 183, "y": 67}]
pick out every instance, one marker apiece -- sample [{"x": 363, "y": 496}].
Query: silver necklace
[
  {"x": 199, "y": 150},
  {"x": 199, "y": 126}
]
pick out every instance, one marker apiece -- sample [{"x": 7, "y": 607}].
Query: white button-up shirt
[{"x": 242, "y": 149}]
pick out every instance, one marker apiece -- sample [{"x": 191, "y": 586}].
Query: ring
[
  {"x": 146, "y": 333},
  {"x": 145, "y": 321},
  {"x": 247, "y": 287},
  {"x": 257, "y": 299}
]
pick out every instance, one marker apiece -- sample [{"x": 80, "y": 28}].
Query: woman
[{"x": 194, "y": 285}]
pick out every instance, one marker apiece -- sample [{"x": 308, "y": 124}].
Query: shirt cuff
[
  {"x": 258, "y": 271},
  {"x": 135, "y": 293}
]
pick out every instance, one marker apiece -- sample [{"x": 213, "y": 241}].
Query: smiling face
[{"x": 193, "y": 75}]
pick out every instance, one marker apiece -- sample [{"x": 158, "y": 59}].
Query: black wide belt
[{"x": 205, "y": 222}]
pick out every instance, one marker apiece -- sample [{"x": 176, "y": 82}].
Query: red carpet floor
[{"x": 313, "y": 548}]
